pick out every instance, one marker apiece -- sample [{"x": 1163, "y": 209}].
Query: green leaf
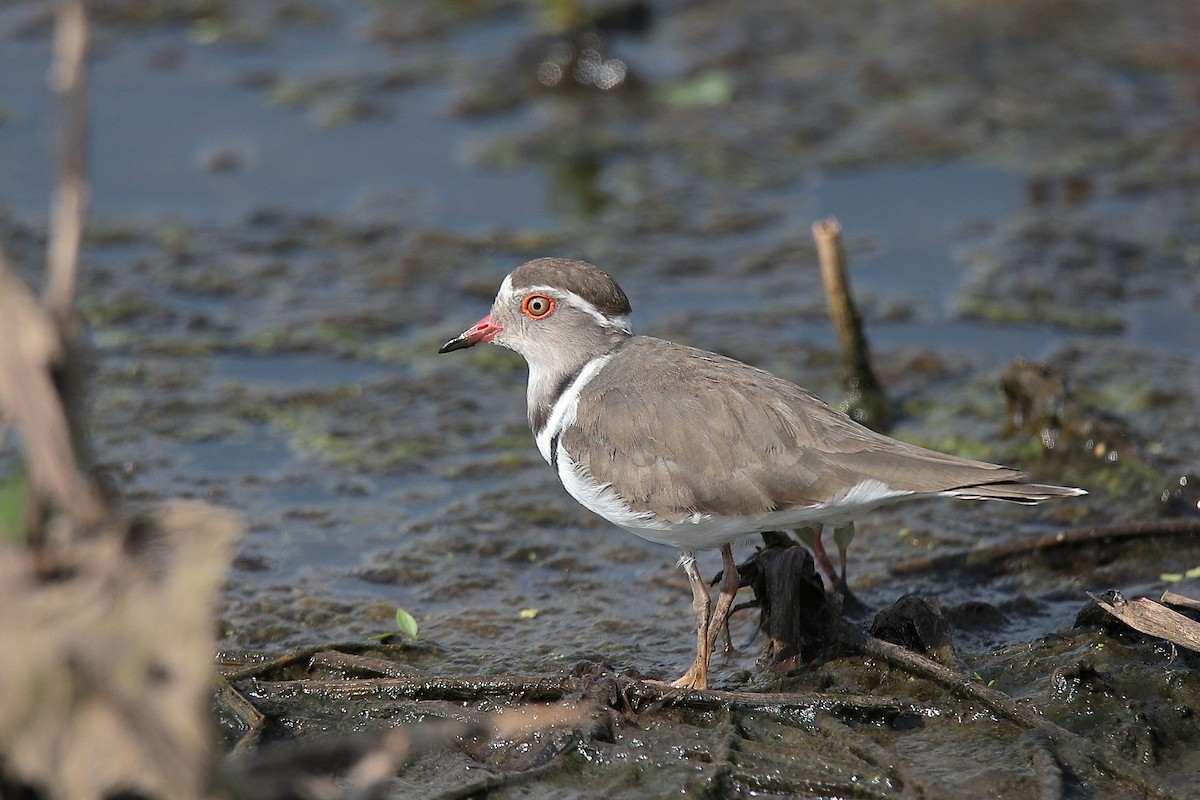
[
  {"x": 1176, "y": 577},
  {"x": 709, "y": 89},
  {"x": 406, "y": 623},
  {"x": 14, "y": 505}
]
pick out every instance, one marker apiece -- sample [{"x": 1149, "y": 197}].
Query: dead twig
[
  {"x": 40, "y": 382},
  {"x": 68, "y": 79},
  {"x": 529, "y": 689},
  {"x": 1170, "y": 598},
  {"x": 986, "y": 557},
  {"x": 29, "y": 348},
  {"x": 306, "y": 769},
  {"x": 776, "y": 703},
  {"x": 1148, "y": 617},
  {"x": 247, "y": 715},
  {"x": 234, "y": 667},
  {"x": 552, "y": 689},
  {"x": 359, "y": 664},
  {"x": 1081, "y": 753}
]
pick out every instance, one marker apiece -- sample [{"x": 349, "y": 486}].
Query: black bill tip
[{"x": 457, "y": 343}]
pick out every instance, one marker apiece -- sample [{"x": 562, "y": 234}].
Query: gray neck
[{"x": 550, "y": 377}]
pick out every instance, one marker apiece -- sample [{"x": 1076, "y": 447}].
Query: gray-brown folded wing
[{"x": 735, "y": 440}]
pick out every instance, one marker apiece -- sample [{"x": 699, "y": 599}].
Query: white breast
[{"x": 563, "y": 412}]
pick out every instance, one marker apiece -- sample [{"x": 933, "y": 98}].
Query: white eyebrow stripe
[
  {"x": 620, "y": 322},
  {"x": 506, "y": 288}
]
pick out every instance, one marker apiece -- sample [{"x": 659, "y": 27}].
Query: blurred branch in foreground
[
  {"x": 30, "y": 347},
  {"x": 41, "y": 374},
  {"x": 105, "y": 665},
  {"x": 105, "y": 624},
  {"x": 68, "y": 79}
]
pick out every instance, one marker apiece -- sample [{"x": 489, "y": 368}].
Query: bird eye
[{"x": 537, "y": 306}]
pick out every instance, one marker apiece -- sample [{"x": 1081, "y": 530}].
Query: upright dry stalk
[
  {"x": 68, "y": 80},
  {"x": 105, "y": 638},
  {"x": 29, "y": 347},
  {"x": 866, "y": 402},
  {"x": 40, "y": 362}
]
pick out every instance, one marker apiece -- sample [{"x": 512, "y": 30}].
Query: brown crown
[{"x": 588, "y": 281}]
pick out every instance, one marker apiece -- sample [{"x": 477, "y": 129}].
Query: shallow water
[{"x": 162, "y": 102}]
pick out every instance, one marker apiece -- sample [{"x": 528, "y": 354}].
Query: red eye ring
[{"x": 537, "y": 306}]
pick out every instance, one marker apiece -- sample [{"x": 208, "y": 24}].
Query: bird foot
[{"x": 695, "y": 678}]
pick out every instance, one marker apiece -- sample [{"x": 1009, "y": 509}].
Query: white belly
[{"x": 710, "y": 531}]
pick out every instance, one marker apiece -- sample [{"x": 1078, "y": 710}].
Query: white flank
[
  {"x": 864, "y": 495},
  {"x": 600, "y": 498},
  {"x": 709, "y": 531}
]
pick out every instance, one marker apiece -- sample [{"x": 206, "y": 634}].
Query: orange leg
[
  {"x": 708, "y": 626},
  {"x": 843, "y": 535},
  {"x": 697, "y": 675},
  {"x": 812, "y": 538}
]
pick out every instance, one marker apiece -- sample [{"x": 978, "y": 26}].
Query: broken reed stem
[
  {"x": 41, "y": 387},
  {"x": 1154, "y": 619},
  {"x": 1170, "y": 598},
  {"x": 988, "y": 557},
  {"x": 29, "y": 398},
  {"x": 68, "y": 78},
  {"x": 68, "y": 81},
  {"x": 867, "y": 402}
]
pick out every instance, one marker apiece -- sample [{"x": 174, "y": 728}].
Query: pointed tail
[{"x": 1014, "y": 492}]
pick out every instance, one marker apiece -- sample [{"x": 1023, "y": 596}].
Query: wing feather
[{"x": 738, "y": 441}]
